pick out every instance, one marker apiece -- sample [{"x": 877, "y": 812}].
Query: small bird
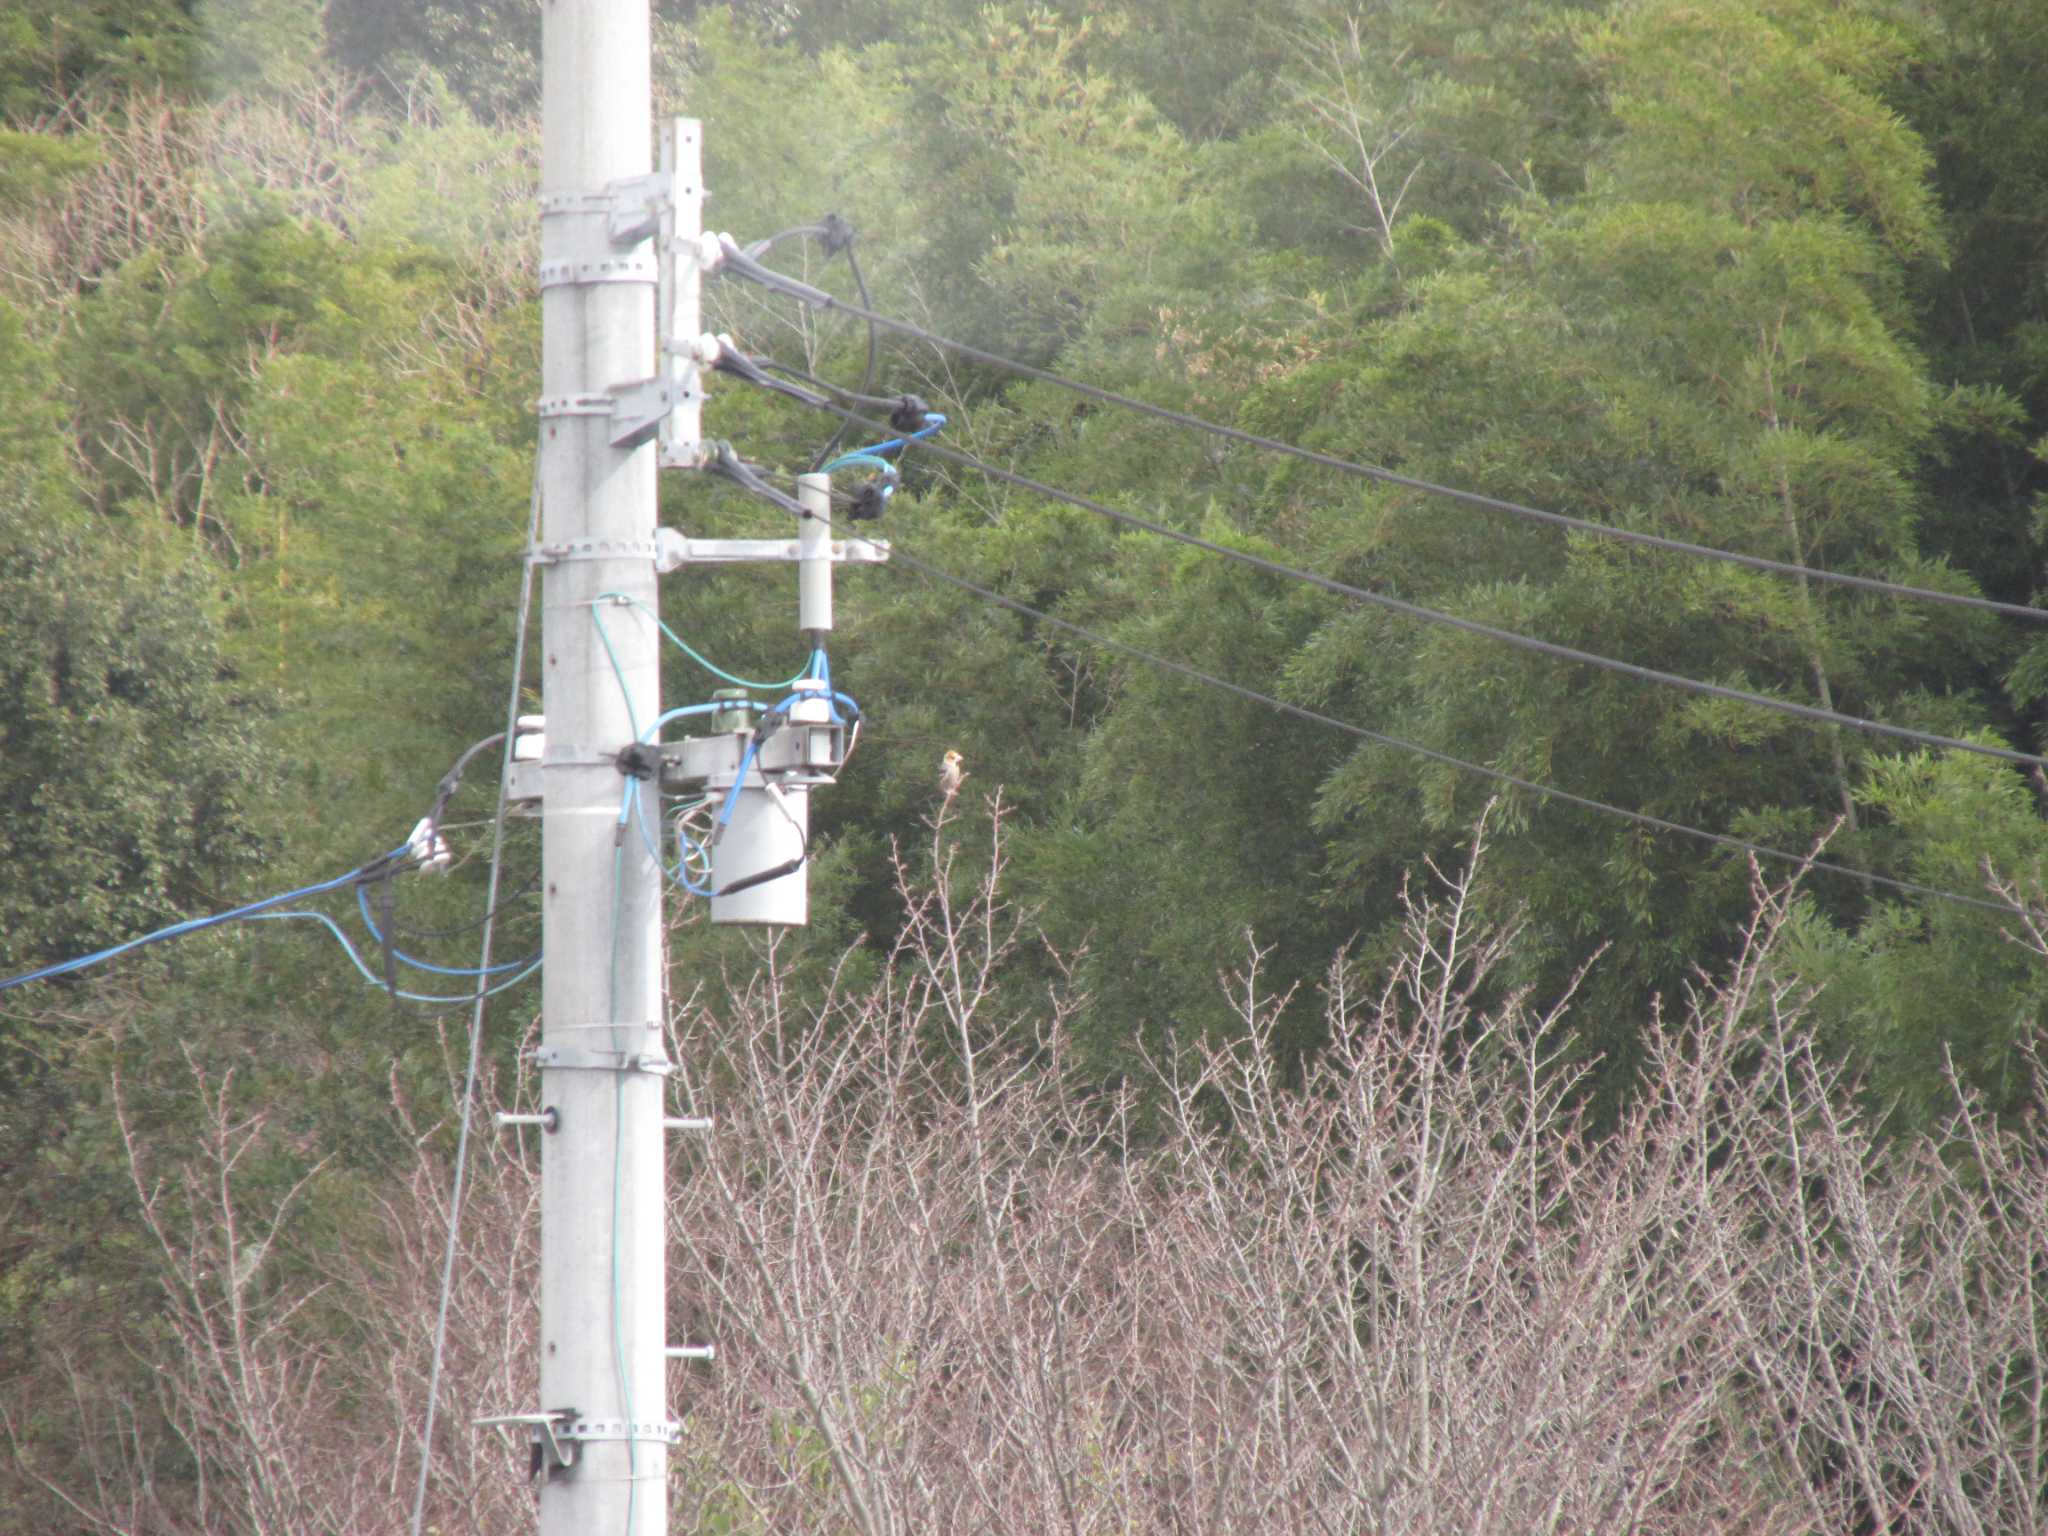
[{"x": 951, "y": 771}]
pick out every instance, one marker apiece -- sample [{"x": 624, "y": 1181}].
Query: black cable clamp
[
  {"x": 834, "y": 233},
  {"x": 869, "y": 502},
  {"x": 641, "y": 760},
  {"x": 908, "y": 414}
]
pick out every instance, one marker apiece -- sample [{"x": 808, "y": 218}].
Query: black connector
[
  {"x": 868, "y": 503},
  {"x": 834, "y": 233},
  {"x": 641, "y": 760},
  {"x": 908, "y": 413}
]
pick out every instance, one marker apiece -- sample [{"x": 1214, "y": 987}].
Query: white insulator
[{"x": 529, "y": 739}]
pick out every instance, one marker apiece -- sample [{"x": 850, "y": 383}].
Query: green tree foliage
[
  {"x": 1762, "y": 276},
  {"x": 131, "y": 758},
  {"x": 1916, "y": 993},
  {"x": 257, "y": 45},
  {"x": 1712, "y": 343},
  {"x": 52, "y": 49}
]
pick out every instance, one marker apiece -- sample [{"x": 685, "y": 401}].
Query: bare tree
[
  {"x": 1413, "y": 1291},
  {"x": 283, "y": 1386},
  {"x": 1407, "y": 1285}
]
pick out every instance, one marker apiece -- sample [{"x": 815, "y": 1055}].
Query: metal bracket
[
  {"x": 594, "y": 549},
  {"x": 678, "y": 299},
  {"x": 681, "y": 550},
  {"x": 798, "y": 752},
  {"x": 574, "y": 405},
  {"x": 563, "y": 1059},
  {"x": 523, "y": 789},
  {"x": 662, "y": 1431},
  {"x": 636, "y": 204},
  {"x": 632, "y": 205},
  {"x": 554, "y": 1446},
  {"x": 554, "y": 205},
  {"x": 639, "y": 408}
]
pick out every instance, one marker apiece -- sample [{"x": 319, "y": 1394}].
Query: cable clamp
[
  {"x": 639, "y": 759},
  {"x": 633, "y": 268},
  {"x": 562, "y": 1059},
  {"x": 908, "y": 413}
]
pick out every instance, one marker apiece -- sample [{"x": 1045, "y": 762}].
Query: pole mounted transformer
[{"x": 622, "y": 363}]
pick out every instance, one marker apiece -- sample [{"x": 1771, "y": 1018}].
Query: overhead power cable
[
  {"x": 837, "y": 236},
  {"x": 900, "y": 557},
  {"x": 751, "y": 479},
  {"x": 1473, "y": 626},
  {"x": 742, "y": 263}
]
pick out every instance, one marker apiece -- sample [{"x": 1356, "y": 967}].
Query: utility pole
[
  {"x": 621, "y": 396},
  {"x": 601, "y": 1443}
]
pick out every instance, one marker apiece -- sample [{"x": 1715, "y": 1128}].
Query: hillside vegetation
[{"x": 1769, "y": 278}]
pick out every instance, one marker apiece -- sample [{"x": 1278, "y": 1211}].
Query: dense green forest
[{"x": 1769, "y": 276}]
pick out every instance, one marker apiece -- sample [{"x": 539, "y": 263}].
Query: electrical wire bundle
[
  {"x": 694, "y": 822},
  {"x": 425, "y": 850}
]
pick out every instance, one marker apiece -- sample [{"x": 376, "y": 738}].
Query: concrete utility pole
[
  {"x": 602, "y": 1451},
  {"x": 618, "y": 242}
]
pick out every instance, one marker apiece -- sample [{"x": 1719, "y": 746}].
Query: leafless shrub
[
  {"x": 1412, "y": 1292},
  {"x": 282, "y": 1389},
  {"x": 955, "y": 1287}
]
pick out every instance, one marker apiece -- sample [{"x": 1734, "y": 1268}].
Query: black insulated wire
[
  {"x": 902, "y": 559},
  {"x": 731, "y": 360},
  {"x": 1511, "y": 637},
  {"x": 402, "y": 929},
  {"x": 837, "y": 237},
  {"x": 738, "y": 262}
]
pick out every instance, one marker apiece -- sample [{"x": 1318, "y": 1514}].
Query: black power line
[
  {"x": 752, "y": 480},
  {"x": 1469, "y": 626},
  {"x": 741, "y": 263},
  {"x": 898, "y": 556}
]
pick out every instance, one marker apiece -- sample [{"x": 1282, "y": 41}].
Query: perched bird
[{"x": 951, "y": 771}]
